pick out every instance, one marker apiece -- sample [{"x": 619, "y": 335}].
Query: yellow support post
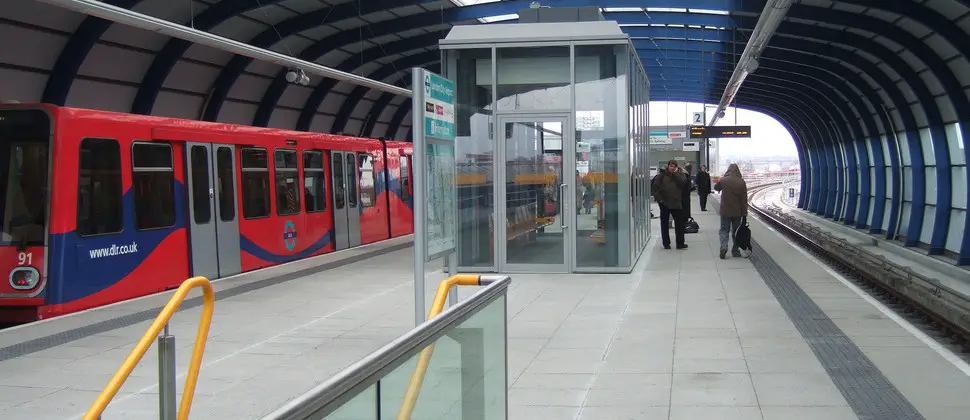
[
  {"x": 208, "y": 306},
  {"x": 417, "y": 377}
]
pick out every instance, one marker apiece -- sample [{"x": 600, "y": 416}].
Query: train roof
[{"x": 186, "y": 124}]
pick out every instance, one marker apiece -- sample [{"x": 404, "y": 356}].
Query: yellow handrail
[
  {"x": 208, "y": 305},
  {"x": 417, "y": 377}
]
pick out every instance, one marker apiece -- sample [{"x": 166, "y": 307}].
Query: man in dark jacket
[
  {"x": 734, "y": 206},
  {"x": 703, "y": 186},
  {"x": 668, "y": 187}
]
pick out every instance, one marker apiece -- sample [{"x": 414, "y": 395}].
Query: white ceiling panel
[
  {"x": 41, "y": 14},
  {"x": 271, "y": 14},
  {"x": 180, "y": 12},
  {"x": 239, "y": 28}
]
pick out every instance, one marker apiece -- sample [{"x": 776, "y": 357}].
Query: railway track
[{"x": 940, "y": 312}]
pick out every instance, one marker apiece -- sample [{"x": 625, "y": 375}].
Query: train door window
[
  {"x": 352, "y": 193},
  {"x": 287, "y": 182},
  {"x": 227, "y": 206},
  {"x": 153, "y": 179},
  {"x": 405, "y": 177},
  {"x": 314, "y": 181},
  {"x": 255, "y": 182},
  {"x": 99, "y": 209},
  {"x": 368, "y": 196},
  {"x": 338, "y": 180},
  {"x": 201, "y": 207},
  {"x": 24, "y": 191}
]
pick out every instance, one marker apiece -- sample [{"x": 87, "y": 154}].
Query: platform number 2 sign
[{"x": 698, "y": 118}]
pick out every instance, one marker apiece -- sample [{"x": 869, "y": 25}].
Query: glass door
[{"x": 538, "y": 199}]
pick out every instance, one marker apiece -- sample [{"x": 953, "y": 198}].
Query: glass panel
[
  {"x": 533, "y": 180},
  {"x": 227, "y": 193},
  {"x": 466, "y": 376},
  {"x": 352, "y": 195},
  {"x": 255, "y": 183},
  {"x": 471, "y": 70},
  {"x": 99, "y": 208},
  {"x": 287, "y": 185},
  {"x": 153, "y": 180},
  {"x": 533, "y": 78},
  {"x": 368, "y": 194},
  {"x": 338, "y": 180},
  {"x": 201, "y": 207},
  {"x": 602, "y": 227},
  {"x": 362, "y": 407},
  {"x": 314, "y": 182}
]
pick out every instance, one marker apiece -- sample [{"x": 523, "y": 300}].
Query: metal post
[
  {"x": 418, "y": 174},
  {"x": 166, "y": 376}
]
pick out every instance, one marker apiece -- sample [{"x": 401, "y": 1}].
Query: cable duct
[
  {"x": 162, "y": 26},
  {"x": 772, "y": 15}
]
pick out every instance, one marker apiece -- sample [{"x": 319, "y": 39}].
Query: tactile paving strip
[
  {"x": 54, "y": 340},
  {"x": 865, "y": 388}
]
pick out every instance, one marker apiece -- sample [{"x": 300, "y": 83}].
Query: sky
[{"x": 768, "y": 136}]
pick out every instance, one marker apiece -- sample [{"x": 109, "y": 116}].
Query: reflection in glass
[
  {"x": 466, "y": 375},
  {"x": 603, "y": 222},
  {"x": 533, "y": 79},
  {"x": 361, "y": 407},
  {"x": 533, "y": 184},
  {"x": 471, "y": 70}
]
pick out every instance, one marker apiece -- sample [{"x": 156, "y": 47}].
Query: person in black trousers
[
  {"x": 703, "y": 186},
  {"x": 668, "y": 187}
]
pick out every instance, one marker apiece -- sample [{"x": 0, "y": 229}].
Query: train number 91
[{"x": 25, "y": 258}]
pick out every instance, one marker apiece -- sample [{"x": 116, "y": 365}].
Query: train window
[
  {"x": 351, "y": 182},
  {"x": 201, "y": 208},
  {"x": 227, "y": 193},
  {"x": 338, "y": 181},
  {"x": 99, "y": 209},
  {"x": 287, "y": 183},
  {"x": 368, "y": 196},
  {"x": 314, "y": 182},
  {"x": 255, "y": 183},
  {"x": 405, "y": 178},
  {"x": 153, "y": 181}
]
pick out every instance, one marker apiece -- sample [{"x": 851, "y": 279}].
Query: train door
[
  {"x": 346, "y": 199},
  {"x": 213, "y": 222}
]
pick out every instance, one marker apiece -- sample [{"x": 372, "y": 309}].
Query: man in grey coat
[{"x": 734, "y": 206}]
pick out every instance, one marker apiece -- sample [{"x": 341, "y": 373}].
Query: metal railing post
[{"x": 166, "y": 376}]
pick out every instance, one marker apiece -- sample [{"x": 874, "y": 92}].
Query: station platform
[{"x": 685, "y": 336}]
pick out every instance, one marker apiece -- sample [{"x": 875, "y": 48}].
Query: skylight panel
[
  {"x": 706, "y": 11},
  {"x": 499, "y": 18},
  {"x": 622, "y": 9},
  {"x": 472, "y": 2}
]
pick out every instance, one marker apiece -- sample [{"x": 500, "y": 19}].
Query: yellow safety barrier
[
  {"x": 417, "y": 377},
  {"x": 209, "y": 300}
]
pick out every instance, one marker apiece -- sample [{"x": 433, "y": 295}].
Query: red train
[{"x": 100, "y": 207}]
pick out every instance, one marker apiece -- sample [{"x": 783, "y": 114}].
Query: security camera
[
  {"x": 304, "y": 79},
  {"x": 291, "y": 76}
]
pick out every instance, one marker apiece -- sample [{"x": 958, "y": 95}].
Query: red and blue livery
[{"x": 99, "y": 207}]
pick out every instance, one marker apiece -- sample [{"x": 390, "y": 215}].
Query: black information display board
[{"x": 720, "y": 132}]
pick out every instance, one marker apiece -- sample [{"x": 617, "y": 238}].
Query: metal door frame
[
  {"x": 353, "y": 213},
  {"x": 339, "y": 214},
  {"x": 227, "y": 232},
  {"x": 567, "y": 194},
  {"x": 195, "y": 230}
]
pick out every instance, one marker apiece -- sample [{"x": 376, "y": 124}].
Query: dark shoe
[
  {"x": 684, "y": 246},
  {"x": 736, "y": 253},
  {"x": 666, "y": 246},
  {"x": 723, "y": 253}
]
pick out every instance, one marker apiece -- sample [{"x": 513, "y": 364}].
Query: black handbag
[
  {"x": 742, "y": 236},
  {"x": 691, "y": 226}
]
